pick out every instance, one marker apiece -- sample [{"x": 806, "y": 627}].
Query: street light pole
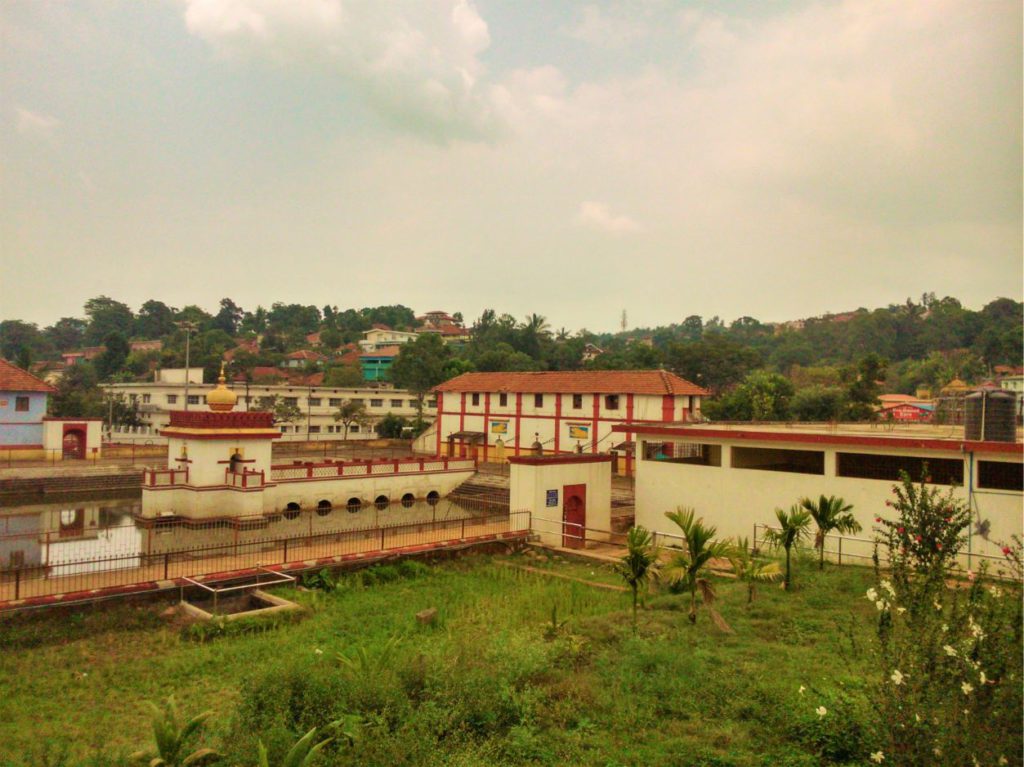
[{"x": 188, "y": 327}]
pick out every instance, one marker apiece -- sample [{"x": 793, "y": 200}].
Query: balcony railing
[
  {"x": 244, "y": 479},
  {"x": 164, "y": 477},
  {"x": 382, "y": 467}
]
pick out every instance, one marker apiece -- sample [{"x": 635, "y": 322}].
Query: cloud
[
  {"x": 596, "y": 215},
  {"x": 415, "y": 63},
  {"x": 31, "y": 123}
]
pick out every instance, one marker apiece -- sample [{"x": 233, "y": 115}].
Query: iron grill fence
[{"x": 294, "y": 553}]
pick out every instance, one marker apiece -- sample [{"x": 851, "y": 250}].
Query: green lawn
[{"x": 482, "y": 686}]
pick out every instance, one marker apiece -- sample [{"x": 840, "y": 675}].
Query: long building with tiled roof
[
  {"x": 493, "y": 416},
  {"x": 22, "y": 406}
]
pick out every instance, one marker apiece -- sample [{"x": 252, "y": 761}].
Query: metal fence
[
  {"x": 857, "y": 550},
  {"x": 139, "y": 571}
]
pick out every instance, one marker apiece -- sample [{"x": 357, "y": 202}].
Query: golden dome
[{"x": 221, "y": 399}]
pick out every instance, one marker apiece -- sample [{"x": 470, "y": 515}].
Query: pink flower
[
  {"x": 879, "y": 519},
  {"x": 1006, "y": 551},
  {"x": 901, "y": 530},
  {"x": 938, "y": 546},
  {"x": 917, "y": 538}
]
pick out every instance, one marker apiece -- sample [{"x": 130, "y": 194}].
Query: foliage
[
  {"x": 322, "y": 579},
  {"x": 763, "y": 396},
  {"x": 350, "y": 414},
  {"x": 819, "y": 403},
  {"x": 344, "y": 376},
  {"x": 688, "y": 567},
  {"x": 171, "y": 737},
  {"x": 392, "y": 426},
  {"x": 749, "y": 570},
  {"x": 639, "y": 566},
  {"x": 304, "y": 750},
  {"x": 419, "y": 366},
  {"x": 793, "y": 528},
  {"x": 829, "y": 514},
  {"x": 283, "y": 410},
  {"x": 947, "y": 686}
]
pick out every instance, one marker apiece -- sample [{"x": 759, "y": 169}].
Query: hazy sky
[{"x": 776, "y": 159}]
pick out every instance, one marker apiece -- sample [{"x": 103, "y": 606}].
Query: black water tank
[{"x": 991, "y": 416}]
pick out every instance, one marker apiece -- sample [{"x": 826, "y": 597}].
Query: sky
[{"x": 573, "y": 159}]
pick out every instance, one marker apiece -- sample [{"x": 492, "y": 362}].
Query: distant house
[
  {"x": 82, "y": 355},
  {"x": 591, "y": 352},
  {"x": 22, "y": 407},
  {"x": 313, "y": 339},
  {"x": 302, "y": 358},
  {"x": 450, "y": 334},
  {"x": 379, "y": 337},
  {"x": 246, "y": 346},
  {"x": 376, "y": 364},
  {"x": 153, "y": 345}
]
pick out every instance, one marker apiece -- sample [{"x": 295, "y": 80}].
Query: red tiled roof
[
  {"x": 306, "y": 354},
  {"x": 13, "y": 378},
  {"x": 384, "y": 351},
  {"x": 380, "y": 326},
  {"x": 349, "y": 358},
  {"x": 575, "y": 382}
]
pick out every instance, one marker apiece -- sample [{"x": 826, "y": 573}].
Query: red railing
[
  {"x": 164, "y": 477},
  {"x": 299, "y": 470},
  {"x": 244, "y": 479}
]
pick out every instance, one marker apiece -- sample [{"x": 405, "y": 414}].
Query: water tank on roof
[{"x": 991, "y": 416}]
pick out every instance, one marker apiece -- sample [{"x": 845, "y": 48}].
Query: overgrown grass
[{"x": 492, "y": 681}]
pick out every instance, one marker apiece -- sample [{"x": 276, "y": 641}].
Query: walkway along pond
[{"x": 65, "y": 552}]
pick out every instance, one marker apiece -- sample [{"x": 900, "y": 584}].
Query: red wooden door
[
  {"x": 74, "y": 445},
  {"x": 574, "y": 516}
]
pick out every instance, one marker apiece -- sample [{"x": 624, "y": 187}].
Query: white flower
[
  {"x": 936, "y": 605},
  {"x": 318, "y": 651},
  {"x": 878, "y": 757},
  {"x": 881, "y": 604},
  {"x": 1003, "y": 760},
  {"x": 950, "y": 650},
  {"x": 821, "y": 711},
  {"x": 917, "y": 718},
  {"x": 872, "y": 595},
  {"x": 995, "y": 591},
  {"x": 888, "y": 587},
  {"x": 984, "y": 679},
  {"x": 967, "y": 687},
  {"x": 945, "y": 627},
  {"x": 897, "y": 677},
  {"x": 801, "y": 690},
  {"x": 937, "y": 751},
  {"x": 901, "y": 610},
  {"x": 976, "y": 630}
]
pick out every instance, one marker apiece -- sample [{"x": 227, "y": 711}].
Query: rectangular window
[
  {"x": 1000, "y": 475},
  {"x": 774, "y": 459},
  {"x": 611, "y": 402},
  {"x": 695, "y": 453},
  {"x": 577, "y": 401},
  {"x": 21, "y": 404},
  {"x": 284, "y": 429},
  {"x": 538, "y": 400},
  {"x": 193, "y": 399},
  {"x": 431, "y": 403},
  {"x": 376, "y": 403},
  {"x": 357, "y": 401},
  {"x": 293, "y": 401},
  {"x": 314, "y": 429},
  {"x": 941, "y": 471},
  {"x": 412, "y": 403},
  {"x": 314, "y": 402},
  {"x": 502, "y": 400},
  {"x": 172, "y": 399},
  {"x": 476, "y": 400},
  {"x": 353, "y": 429},
  {"x": 131, "y": 398},
  {"x": 334, "y": 402},
  {"x": 396, "y": 403},
  {"x": 146, "y": 398}
]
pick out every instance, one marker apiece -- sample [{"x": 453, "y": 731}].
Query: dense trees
[{"x": 826, "y": 368}]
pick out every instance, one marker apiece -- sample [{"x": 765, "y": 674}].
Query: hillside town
[{"x": 472, "y": 383}]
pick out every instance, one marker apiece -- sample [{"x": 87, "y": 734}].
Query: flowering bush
[{"x": 948, "y": 689}]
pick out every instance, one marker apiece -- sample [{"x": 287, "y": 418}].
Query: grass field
[{"x": 491, "y": 682}]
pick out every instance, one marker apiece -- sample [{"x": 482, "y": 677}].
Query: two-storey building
[{"x": 492, "y": 416}]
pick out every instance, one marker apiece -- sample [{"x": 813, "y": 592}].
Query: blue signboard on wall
[{"x": 552, "y": 498}]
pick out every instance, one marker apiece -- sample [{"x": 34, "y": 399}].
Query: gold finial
[{"x": 221, "y": 399}]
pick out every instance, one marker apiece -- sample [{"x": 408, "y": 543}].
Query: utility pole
[
  {"x": 188, "y": 327},
  {"x": 623, "y": 320}
]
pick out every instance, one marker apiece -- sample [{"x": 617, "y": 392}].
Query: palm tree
[
  {"x": 640, "y": 564},
  {"x": 749, "y": 570},
  {"x": 170, "y": 736},
  {"x": 793, "y": 526},
  {"x": 688, "y": 567},
  {"x": 829, "y": 514},
  {"x": 563, "y": 334}
]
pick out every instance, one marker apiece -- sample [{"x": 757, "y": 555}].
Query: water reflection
[{"x": 69, "y": 537}]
